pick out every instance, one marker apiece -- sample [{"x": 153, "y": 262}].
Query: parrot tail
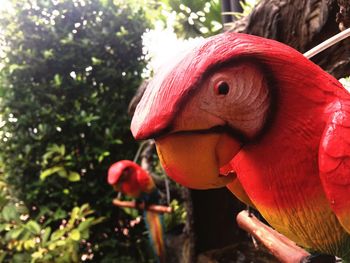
[{"x": 155, "y": 226}]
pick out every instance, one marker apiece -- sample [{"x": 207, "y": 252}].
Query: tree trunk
[
  {"x": 214, "y": 217},
  {"x": 303, "y": 24}
]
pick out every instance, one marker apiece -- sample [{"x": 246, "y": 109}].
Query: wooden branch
[
  {"x": 132, "y": 204},
  {"x": 327, "y": 43},
  {"x": 280, "y": 246}
]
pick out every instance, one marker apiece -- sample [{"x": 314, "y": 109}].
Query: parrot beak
[
  {"x": 194, "y": 160},
  {"x": 191, "y": 155}
]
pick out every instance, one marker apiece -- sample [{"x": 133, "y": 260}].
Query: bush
[
  {"x": 25, "y": 239},
  {"x": 69, "y": 71}
]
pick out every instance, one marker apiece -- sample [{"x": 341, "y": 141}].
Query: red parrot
[
  {"x": 129, "y": 178},
  {"x": 258, "y": 117}
]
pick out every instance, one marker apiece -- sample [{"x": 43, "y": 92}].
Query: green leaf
[
  {"x": 75, "y": 213},
  {"x": 51, "y": 171},
  {"x": 9, "y": 212},
  {"x": 58, "y": 234},
  {"x": 63, "y": 173},
  {"x": 57, "y": 80},
  {"x": 3, "y": 201},
  {"x": 52, "y": 246},
  {"x": 38, "y": 254},
  {"x": 117, "y": 141},
  {"x": 15, "y": 233},
  {"x": 73, "y": 176},
  {"x": 5, "y": 226},
  {"x": 33, "y": 227},
  {"x": 67, "y": 40},
  {"x": 103, "y": 155},
  {"x": 14, "y": 67},
  {"x": 59, "y": 214},
  {"x": 85, "y": 224},
  {"x": 122, "y": 32},
  {"x": 60, "y": 243},
  {"x": 85, "y": 208},
  {"x": 46, "y": 234},
  {"x": 75, "y": 235},
  {"x": 48, "y": 54},
  {"x": 19, "y": 257},
  {"x": 104, "y": 2},
  {"x": 99, "y": 220},
  {"x": 96, "y": 61},
  {"x": 29, "y": 244},
  {"x": 22, "y": 209}
]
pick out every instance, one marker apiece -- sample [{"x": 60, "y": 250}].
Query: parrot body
[
  {"x": 130, "y": 179},
  {"x": 256, "y": 116}
]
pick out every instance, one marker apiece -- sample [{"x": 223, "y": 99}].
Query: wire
[
  {"x": 137, "y": 155},
  {"x": 167, "y": 189}
]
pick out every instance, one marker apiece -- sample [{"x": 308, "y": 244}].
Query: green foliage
[
  {"x": 178, "y": 216},
  {"x": 195, "y": 18},
  {"x": 69, "y": 70},
  {"x": 59, "y": 163},
  {"x": 33, "y": 240},
  {"x": 247, "y": 7}
]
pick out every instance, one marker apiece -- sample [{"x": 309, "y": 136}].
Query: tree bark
[
  {"x": 214, "y": 217},
  {"x": 303, "y": 24},
  {"x": 343, "y": 16}
]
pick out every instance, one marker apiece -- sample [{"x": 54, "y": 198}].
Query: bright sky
[{"x": 161, "y": 45}]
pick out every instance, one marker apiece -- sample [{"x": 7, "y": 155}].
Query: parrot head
[
  {"x": 206, "y": 107},
  {"x": 122, "y": 176},
  {"x": 129, "y": 178}
]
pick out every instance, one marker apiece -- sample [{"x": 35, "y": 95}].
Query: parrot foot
[{"x": 319, "y": 258}]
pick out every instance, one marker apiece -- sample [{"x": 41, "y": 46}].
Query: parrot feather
[
  {"x": 130, "y": 179},
  {"x": 334, "y": 161}
]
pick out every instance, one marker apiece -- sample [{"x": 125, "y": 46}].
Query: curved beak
[{"x": 194, "y": 159}]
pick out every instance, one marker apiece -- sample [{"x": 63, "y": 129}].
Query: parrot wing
[{"x": 334, "y": 160}]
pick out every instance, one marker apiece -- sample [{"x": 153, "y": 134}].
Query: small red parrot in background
[
  {"x": 129, "y": 178},
  {"x": 258, "y": 117}
]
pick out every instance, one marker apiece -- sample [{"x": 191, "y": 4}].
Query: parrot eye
[{"x": 221, "y": 88}]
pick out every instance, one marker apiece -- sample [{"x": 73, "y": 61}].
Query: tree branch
[
  {"x": 132, "y": 204},
  {"x": 281, "y": 247}
]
